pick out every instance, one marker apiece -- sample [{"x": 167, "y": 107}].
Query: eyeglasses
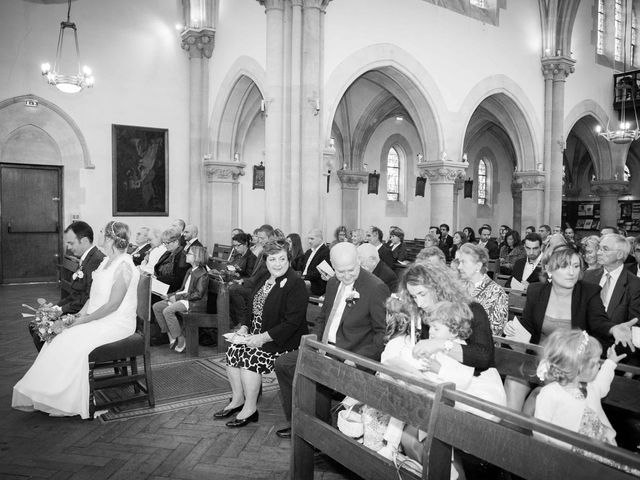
[{"x": 169, "y": 242}]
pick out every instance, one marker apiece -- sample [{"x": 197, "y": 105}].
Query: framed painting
[
  {"x": 258, "y": 176},
  {"x": 140, "y": 171}
]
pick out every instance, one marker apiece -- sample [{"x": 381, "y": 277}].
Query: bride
[{"x": 58, "y": 381}]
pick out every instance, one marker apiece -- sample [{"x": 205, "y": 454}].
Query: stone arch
[
  {"x": 405, "y": 78},
  {"x": 46, "y": 117},
  {"x": 503, "y": 101},
  {"x": 237, "y": 105},
  {"x": 583, "y": 129}
]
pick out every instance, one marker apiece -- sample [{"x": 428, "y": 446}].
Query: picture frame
[
  {"x": 140, "y": 162},
  {"x": 258, "y": 176},
  {"x": 421, "y": 182},
  {"x": 373, "y": 183}
]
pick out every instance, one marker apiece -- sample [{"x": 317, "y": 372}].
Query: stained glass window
[
  {"x": 482, "y": 182},
  {"x": 600, "y": 41},
  {"x": 618, "y": 19},
  {"x": 393, "y": 175}
]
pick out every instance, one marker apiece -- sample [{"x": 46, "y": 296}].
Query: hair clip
[
  {"x": 395, "y": 295},
  {"x": 583, "y": 343},
  {"x": 543, "y": 370}
]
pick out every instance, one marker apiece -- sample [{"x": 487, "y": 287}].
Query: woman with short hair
[
  {"x": 244, "y": 261},
  {"x": 472, "y": 266},
  {"x": 172, "y": 265},
  {"x": 279, "y": 321},
  {"x": 588, "y": 250},
  {"x": 397, "y": 246}
]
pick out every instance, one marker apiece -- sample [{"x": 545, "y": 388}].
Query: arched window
[
  {"x": 393, "y": 175},
  {"x": 482, "y": 182},
  {"x": 618, "y": 22}
]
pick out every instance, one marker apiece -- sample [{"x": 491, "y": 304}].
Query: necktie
[
  {"x": 605, "y": 288},
  {"x": 331, "y": 319}
]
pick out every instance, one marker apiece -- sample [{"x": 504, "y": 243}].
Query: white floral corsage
[
  {"x": 283, "y": 283},
  {"x": 543, "y": 370},
  {"x": 352, "y": 298},
  {"x": 77, "y": 274}
]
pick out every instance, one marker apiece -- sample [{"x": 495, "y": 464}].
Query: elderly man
[
  {"x": 78, "y": 238},
  {"x": 358, "y": 327},
  {"x": 190, "y": 236},
  {"x": 374, "y": 237},
  {"x": 180, "y": 224},
  {"x": 139, "y": 251},
  {"x": 317, "y": 253},
  {"x": 370, "y": 261}
]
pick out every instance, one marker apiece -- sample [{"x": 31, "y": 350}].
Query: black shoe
[
  {"x": 284, "y": 433},
  {"x": 242, "y": 422},
  {"x": 227, "y": 412}
]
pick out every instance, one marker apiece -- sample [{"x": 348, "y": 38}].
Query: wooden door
[{"x": 30, "y": 206}]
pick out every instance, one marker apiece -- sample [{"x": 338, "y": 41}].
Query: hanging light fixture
[
  {"x": 67, "y": 83},
  {"x": 623, "y": 87}
]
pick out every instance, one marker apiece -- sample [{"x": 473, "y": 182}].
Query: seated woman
[
  {"x": 191, "y": 297},
  {"x": 589, "y": 249},
  {"x": 297, "y": 252},
  {"x": 157, "y": 250},
  {"x": 357, "y": 236},
  {"x": 58, "y": 381},
  {"x": 340, "y": 235},
  {"x": 472, "y": 266},
  {"x": 172, "y": 265},
  {"x": 244, "y": 260},
  {"x": 471, "y": 235},
  {"x": 565, "y": 302},
  {"x": 396, "y": 243},
  {"x": 459, "y": 239},
  {"x": 511, "y": 252},
  {"x": 279, "y": 322}
]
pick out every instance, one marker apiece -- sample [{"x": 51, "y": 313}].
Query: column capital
[
  {"x": 609, "y": 188},
  {"x": 530, "y": 180},
  {"x": 222, "y": 172},
  {"x": 198, "y": 43},
  {"x": 272, "y": 4},
  {"x": 351, "y": 179},
  {"x": 443, "y": 171},
  {"x": 557, "y": 68}
]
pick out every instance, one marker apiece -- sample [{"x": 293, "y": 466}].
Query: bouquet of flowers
[{"x": 48, "y": 320}]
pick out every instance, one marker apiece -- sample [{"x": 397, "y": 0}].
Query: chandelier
[{"x": 67, "y": 83}]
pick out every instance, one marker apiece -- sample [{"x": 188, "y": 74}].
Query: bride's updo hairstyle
[{"x": 119, "y": 233}]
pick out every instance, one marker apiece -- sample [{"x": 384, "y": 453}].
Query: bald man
[
  {"x": 370, "y": 261},
  {"x": 190, "y": 236},
  {"x": 317, "y": 253},
  {"x": 353, "y": 317}
]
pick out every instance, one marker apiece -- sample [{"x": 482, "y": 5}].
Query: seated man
[
  {"x": 78, "y": 238},
  {"x": 487, "y": 242},
  {"x": 190, "y": 236},
  {"x": 527, "y": 270},
  {"x": 139, "y": 251},
  {"x": 317, "y": 253},
  {"x": 370, "y": 261},
  {"x": 373, "y": 236},
  {"x": 359, "y": 327}
]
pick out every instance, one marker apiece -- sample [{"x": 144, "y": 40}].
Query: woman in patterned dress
[
  {"x": 473, "y": 268},
  {"x": 279, "y": 322}
]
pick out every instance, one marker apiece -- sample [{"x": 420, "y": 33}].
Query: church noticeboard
[{"x": 140, "y": 171}]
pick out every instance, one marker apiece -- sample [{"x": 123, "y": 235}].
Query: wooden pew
[
  {"x": 221, "y": 251},
  {"x": 66, "y": 269},
  {"x": 517, "y": 301},
  {"x": 432, "y": 408}
]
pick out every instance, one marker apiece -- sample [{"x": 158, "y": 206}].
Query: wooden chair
[
  {"x": 121, "y": 358},
  {"x": 217, "y": 316}
]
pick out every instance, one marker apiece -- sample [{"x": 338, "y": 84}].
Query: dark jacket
[
  {"x": 518, "y": 270},
  {"x": 492, "y": 247},
  {"x": 244, "y": 264},
  {"x": 399, "y": 254},
  {"x": 139, "y": 255},
  {"x": 318, "y": 286},
  {"x": 284, "y": 314},
  {"x": 196, "y": 243},
  {"x": 171, "y": 268},
  {"x": 445, "y": 245},
  {"x": 388, "y": 276},
  {"x": 386, "y": 256},
  {"x": 625, "y": 299},
  {"x": 587, "y": 311},
  {"x": 198, "y": 289},
  {"x": 81, "y": 285}
]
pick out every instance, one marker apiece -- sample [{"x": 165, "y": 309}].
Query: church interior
[{"x": 301, "y": 114}]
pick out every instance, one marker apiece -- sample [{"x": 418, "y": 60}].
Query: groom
[{"x": 78, "y": 238}]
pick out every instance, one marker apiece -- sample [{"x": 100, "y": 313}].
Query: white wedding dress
[{"x": 58, "y": 381}]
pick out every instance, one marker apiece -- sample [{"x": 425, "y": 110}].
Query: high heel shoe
[
  {"x": 178, "y": 349},
  {"x": 227, "y": 412},
  {"x": 242, "y": 422}
]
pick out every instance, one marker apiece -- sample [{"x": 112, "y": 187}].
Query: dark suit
[
  {"x": 198, "y": 290},
  {"x": 318, "y": 286},
  {"x": 445, "y": 245},
  {"x": 388, "y": 276},
  {"x": 80, "y": 289},
  {"x": 518, "y": 270},
  {"x": 361, "y": 329},
  {"x": 633, "y": 268},
  {"x": 386, "y": 256},
  {"x": 399, "y": 254},
  {"x": 171, "y": 268},
  {"x": 625, "y": 298},
  {"x": 138, "y": 255},
  {"x": 244, "y": 264},
  {"x": 492, "y": 247},
  {"x": 587, "y": 311},
  {"x": 196, "y": 243}
]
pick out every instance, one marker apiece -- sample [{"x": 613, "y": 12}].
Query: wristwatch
[{"x": 448, "y": 345}]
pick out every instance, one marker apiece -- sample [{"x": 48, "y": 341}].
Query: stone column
[
  {"x": 532, "y": 197},
  {"x": 351, "y": 181},
  {"x": 199, "y": 45},
  {"x": 557, "y": 69},
  {"x": 222, "y": 196},
  {"x": 609, "y": 191},
  {"x": 442, "y": 175},
  {"x": 516, "y": 194}
]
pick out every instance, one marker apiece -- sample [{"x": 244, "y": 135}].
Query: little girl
[
  {"x": 577, "y": 384},
  {"x": 447, "y": 321}
]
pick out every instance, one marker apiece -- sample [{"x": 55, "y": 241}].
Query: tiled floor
[{"x": 182, "y": 444}]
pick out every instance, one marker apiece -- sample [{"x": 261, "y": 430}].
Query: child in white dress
[
  {"x": 447, "y": 321},
  {"x": 572, "y": 399}
]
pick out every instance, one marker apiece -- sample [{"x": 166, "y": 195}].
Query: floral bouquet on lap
[{"x": 48, "y": 320}]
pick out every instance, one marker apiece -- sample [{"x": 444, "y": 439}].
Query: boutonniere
[
  {"x": 283, "y": 283},
  {"x": 78, "y": 274},
  {"x": 352, "y": 298}
]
